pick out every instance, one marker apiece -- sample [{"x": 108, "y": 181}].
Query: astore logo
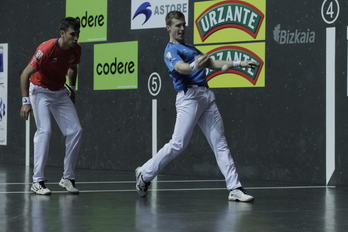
[
  {"x": 143, "y": 10},
  {"x": 151, "y": 13}
]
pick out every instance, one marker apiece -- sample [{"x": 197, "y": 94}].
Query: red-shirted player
[{"x": 43, "y": 92}]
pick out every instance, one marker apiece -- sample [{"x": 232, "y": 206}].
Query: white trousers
[
  {"x": 196, "y": 106},
  {"x": 44, "y": 102}
]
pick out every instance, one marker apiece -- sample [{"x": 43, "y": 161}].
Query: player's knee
[
  {"x": 78, "y": 131},
  {"x": 46, "y": 132},
  {"x": 178, "y": 146}
]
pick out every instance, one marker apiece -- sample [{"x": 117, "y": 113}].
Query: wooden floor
[{"x": 108, "y": 202}]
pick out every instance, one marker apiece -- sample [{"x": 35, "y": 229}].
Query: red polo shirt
[{"x": 52, "y": 63}]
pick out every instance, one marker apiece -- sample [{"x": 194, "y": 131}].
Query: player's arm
[
  {"x": 218, "y": 64},
  {"x": 72, "y": 75},
  {"x": 226, "y": 65},
  {"x": 24, "y": 83},
  {"x": 201, "y": 62}
]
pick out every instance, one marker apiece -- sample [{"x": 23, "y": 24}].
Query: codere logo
[
  {"x": 235, "y": 14},
  {"x": 231, "y": 53}
]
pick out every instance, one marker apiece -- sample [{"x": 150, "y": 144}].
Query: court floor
[{"x": 108, "y": 202}]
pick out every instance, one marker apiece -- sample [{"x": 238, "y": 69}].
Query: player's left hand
[{"x": 249, "y": 64}]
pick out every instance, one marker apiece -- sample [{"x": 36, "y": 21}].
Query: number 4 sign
[{"x": 330, "y": 9}]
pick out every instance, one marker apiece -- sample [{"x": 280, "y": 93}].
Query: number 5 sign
[
  {"x": 330, "y": 9},
  {"x": 154, "y": 84}
]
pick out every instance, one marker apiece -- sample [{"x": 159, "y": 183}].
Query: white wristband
[
  {"x": 236, "y": 63},
  {"x": 26, "y": 101},
  {"x": 193, "y": 67}
]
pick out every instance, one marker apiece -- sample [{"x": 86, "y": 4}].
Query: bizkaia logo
[
  {"x": 229, "y": 14},
  {"x": 231, "y": 53},
  {"x": 293, "y": 37}
]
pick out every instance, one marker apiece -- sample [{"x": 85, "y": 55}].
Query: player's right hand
[
  {"x": 25, "y": 111},
  {"x": 249, "y": 64}
]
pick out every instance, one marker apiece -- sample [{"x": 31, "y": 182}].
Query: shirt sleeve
[
  {"x": 171, "y": 57},
  {"x": 38, "y": 58}
]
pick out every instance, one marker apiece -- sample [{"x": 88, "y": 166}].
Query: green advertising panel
[
  {"x": 93, "y": 18},
  {"x": 116, "y": 66}
]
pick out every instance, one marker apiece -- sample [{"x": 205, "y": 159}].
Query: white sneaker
[
  {"x": 69, "y": 185},
  {"x": 140, "y": 185},
  {"x": 239, "y": 194},
  {"x": 40, "y": 188}
]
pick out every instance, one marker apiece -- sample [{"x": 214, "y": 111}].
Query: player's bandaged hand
[{"x": 249, "y": 64}]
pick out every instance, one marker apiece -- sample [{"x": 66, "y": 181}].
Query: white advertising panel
[
  {"x": 3, "y": 93},
  {"x": 152, "y": 13}
]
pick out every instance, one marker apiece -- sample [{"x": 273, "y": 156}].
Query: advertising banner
[
  {"x": 232, "y": 30},
  {"x": 116, "y": 66},
  {"x": 93, "y": 18},
  {"x": 3, "y": 93},
  {"x": 152, "y": 13},
  {"x": 238, "y": 77}
]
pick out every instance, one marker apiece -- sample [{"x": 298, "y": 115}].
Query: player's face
[
  {"x": 70, "y": 37},
  {"x": 177, "y": 30}
]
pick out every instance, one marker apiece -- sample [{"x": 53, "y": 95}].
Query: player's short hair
[
  {"x": 174, "y": 15},
  {"x": 68, "y": 22}
]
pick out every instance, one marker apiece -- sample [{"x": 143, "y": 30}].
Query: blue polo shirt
[{"x": 186, "y": 53}]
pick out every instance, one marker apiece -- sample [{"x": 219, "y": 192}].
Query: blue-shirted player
[{"x": 195, "y": 104}]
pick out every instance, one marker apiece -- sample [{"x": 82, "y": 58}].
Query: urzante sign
[
  {"x": 232, "y": 30},
  {"x": 233, "y": 14},
  {"x": 239, "y": 77},
  {"x": 229, "y": 21}
]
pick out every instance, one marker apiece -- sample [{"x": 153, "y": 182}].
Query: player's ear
[
  {"x": 61, "y": 32},
  {"x": 168, "y": 28}
]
